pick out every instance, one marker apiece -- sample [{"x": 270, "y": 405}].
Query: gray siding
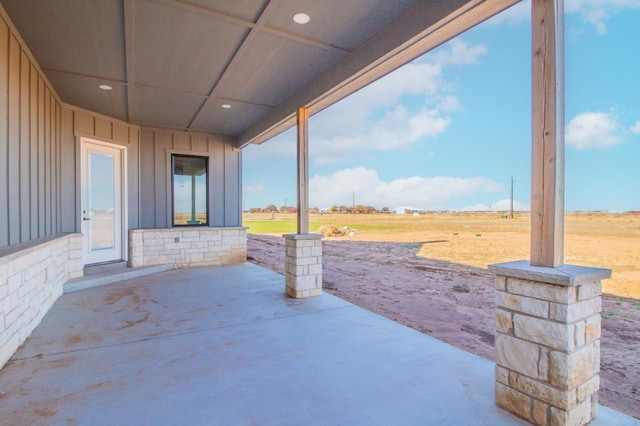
[
  {"x": 30, "y": 140},
  {"x": 4, "y": 145},
  {"x": 13, "y": 155},
  {"x": 40, "y": 157},
  {"x": 68, "y": 176},
  {"x": 157, "y": 145}
]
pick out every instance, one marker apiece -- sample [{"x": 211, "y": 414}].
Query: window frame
[{"x": 206, "y": 158}]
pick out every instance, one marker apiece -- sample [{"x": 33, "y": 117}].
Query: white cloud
[
  {"x": 415, "y": 78},
  {"x": 449, "y": 104},
  {"x": 432, "y": 193},
  {"x": 597, "y": 12},
  {"x": 459, "y": 52},
  {"x": 282, "y": 146},
  {"x": 427, "y": 123},
  {"x": 594, "y": 12},
  {"x": 593, "y": 130},
  {"x": 635, "y": 128},
  {"x": 475, "y": 208},
  {"x": 254, "y": 189},
  {"x": 517, "y": 13},
  {"x": 502, "y": 205},
  {"x": 342, "y": 132},
  {"x": 378, "y": 117},
  {"x": 408, "y": 105}
]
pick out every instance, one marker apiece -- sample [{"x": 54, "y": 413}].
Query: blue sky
[{"x": 448, "y": 130}]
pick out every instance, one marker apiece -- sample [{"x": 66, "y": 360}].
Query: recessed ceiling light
[
  {"x": 301, "y": 18},
  {"x": 226, "y": 106},
  {"x": 105, "y": 87}
]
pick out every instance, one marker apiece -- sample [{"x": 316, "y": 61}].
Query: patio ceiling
[{"x": 175, "y": 63}]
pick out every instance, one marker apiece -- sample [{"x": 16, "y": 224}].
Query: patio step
[
  {"x": 100, "y": 268},
  {"x": 95, "y": 280}
]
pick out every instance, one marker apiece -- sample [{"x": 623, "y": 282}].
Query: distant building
[{"x": 407, "y": 210}]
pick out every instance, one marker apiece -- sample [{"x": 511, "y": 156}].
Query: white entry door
[{"x": 102, "y": 212}]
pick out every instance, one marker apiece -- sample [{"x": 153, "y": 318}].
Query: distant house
[{"x": 407, "y": 210}]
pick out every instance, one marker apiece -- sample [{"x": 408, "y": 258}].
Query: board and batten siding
[
  {"x": 225, "y": 174},
  {"x": 30, "y": 145},
  {"x": 78, "y": 123}
]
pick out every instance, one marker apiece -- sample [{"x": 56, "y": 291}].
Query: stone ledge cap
[
  {"x": 303, "y": 236},
  {"x": 15, "y": 251},
  {"x": 190, "y": 228},
  {"x": 565, "y": 275}
]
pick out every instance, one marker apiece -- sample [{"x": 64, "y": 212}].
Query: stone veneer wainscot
[
  {"x": 32, "y": 277},
  {"x": 548, "y": 341},
  {"x": 188, "y": 247}
]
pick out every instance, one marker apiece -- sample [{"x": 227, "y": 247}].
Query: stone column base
[
  {"x": 548, "y": 341},
  {"x": 303, "y": 265}
]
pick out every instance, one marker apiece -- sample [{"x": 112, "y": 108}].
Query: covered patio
[
  {"x": 226, "y": 346},
  {"x": 134, "y": 89}
]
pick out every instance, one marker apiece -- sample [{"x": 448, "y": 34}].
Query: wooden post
[
  {"x": 547, "y": 155},
  {"x": 303, "y": 170}
]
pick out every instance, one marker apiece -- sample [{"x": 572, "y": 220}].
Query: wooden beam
[
  {"x": 547, "y": 122},
  {"x": 303, "y": 170}
]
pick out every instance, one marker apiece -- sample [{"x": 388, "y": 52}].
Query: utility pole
[
  {"x": 353, "y": 200},
  {"x": 511, "y": 197}
]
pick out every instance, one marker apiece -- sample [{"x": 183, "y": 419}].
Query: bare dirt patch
[{"x": 454, "y": 302}]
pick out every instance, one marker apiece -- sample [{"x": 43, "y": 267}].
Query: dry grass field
[{"x": 479, "y": 239}]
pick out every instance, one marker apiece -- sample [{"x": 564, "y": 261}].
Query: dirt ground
[{"x": 400, "y": 281}]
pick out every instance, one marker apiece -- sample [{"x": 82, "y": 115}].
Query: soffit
[
  {"x": 73, "y": 36},
  {"x": 290, "y": 65},
  {"x": 181, "y": 50},
  {"x": 174, "y": 63},
  {"x": 112, "y": 103},
  {"x": 345, "y": 24}
]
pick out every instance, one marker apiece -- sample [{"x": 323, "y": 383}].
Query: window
[{"x": 190, "y": 195}]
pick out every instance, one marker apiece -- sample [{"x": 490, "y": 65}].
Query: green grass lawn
[
  {"x": 279, "y": 226},
  {"x": 276, "y": 226}
]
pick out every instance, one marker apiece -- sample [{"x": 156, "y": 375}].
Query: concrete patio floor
[{"x": 225, "y": 346}]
